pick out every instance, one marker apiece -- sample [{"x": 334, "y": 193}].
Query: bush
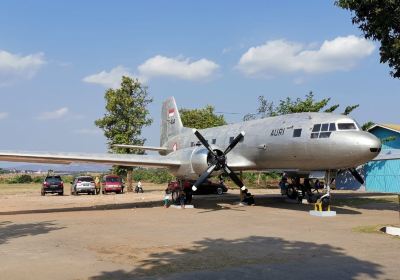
[
  {"x": 37, "y": 179},
  {"x": 20, "y": 179}
]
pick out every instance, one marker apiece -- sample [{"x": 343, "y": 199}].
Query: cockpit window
[
  {"x": 323, "y": 130},
  {"x": 316, "y": 127},
  {"x": 346, "y": 126}
]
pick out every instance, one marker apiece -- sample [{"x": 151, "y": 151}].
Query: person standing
[{"x": 97, "y": 184}]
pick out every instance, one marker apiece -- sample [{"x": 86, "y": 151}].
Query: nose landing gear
[{"x": 322, "y": 207}]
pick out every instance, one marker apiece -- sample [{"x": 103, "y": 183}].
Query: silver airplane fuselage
[{"x": 300, "y": 142}]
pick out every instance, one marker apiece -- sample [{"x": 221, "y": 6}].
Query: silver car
[{"x": 83, "y": 184}]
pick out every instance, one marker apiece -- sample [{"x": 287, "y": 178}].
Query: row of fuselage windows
[{"x": 320, "y": 130}]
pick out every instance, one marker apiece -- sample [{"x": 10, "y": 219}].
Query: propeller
[
  {"x": 217, "y": 161},
  {"x": 356, "y": 175}
]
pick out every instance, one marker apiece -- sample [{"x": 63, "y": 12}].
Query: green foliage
[
  {"x": 157, "y": 176},
  {"x": 367, "y": 125},
  {"x": 20, "y": 179},
  {"x": 388, "y": 139},
  {"x": 37, "y": 179},
  {"x": 201, "y": 118},
  {"x": 258, "y": 179},
  {"x": 289, "y": 106},
  {"x": 126, "y": 115},
  {"x": 379, "y": 20},
  {"x": 349, "y": 109}
]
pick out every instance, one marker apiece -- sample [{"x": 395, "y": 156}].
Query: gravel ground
[{"x": 131, "y": 236}]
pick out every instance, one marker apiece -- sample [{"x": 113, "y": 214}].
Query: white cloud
[
  {"x": 14, "y": 66},
  {"x": 281, "y": 56},
  {"x": 110, "y": 79},
  {"x": 181, "y": 68},
  {"x": 89, "y": 131},
  {"x": 156, "y": 66},
  {"x": 57, "y": 114},
  {"x": 3, "y": 115}
]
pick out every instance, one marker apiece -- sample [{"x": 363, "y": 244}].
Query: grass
[
  {"x": 369, "y": 229},
  {"x": 19, "y": 188},
  {"x": 357, "y": 201}
]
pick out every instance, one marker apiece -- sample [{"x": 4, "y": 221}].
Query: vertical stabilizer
[{"x": 171, "y": 124}]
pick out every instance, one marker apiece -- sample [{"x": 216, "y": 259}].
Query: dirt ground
[{"x": 131, "y": 236}]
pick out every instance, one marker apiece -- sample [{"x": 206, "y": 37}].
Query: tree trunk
[{"x": 129, "y": 180}]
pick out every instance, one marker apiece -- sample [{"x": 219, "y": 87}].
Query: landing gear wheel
[
  {"x": 291, "y": 192},
  {"x": 325, "y": 202}
]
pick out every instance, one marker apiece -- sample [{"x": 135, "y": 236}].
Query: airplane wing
[
  {"x": 388, "y": 154},
  {"x": 67, "y": 158}
]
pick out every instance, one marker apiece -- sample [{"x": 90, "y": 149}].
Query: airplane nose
[{"x": 370, "y": 144}]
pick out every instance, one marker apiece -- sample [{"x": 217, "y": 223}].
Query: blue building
[{"x": 384, "y": 175}]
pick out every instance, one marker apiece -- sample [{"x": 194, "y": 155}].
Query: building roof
[{"x": 392, "y": 127}]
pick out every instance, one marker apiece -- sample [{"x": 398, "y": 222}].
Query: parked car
[
  {"x": 83, "y": 184},
  {"x": 52, "y": 184},
  {"x": 112, "y": 183},
  {"x": 207, "y": 187}
]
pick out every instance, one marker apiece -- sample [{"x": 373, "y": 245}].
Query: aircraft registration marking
[{"x": 278, "y": 132}]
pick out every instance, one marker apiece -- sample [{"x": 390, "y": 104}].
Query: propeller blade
[
  {"x": 234, "y": 177},
  {"x": 356, "y": 175},
  {"x": 234, "y": 142},
  {"x": 203, "y": 141},
  {"x": 204, "y": 176}
]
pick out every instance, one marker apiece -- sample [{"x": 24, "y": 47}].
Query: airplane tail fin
[{"x": 171, "y": 124}]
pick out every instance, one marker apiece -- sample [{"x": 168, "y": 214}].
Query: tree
[
  {"x": 126, "y": 115},
  {"x": 201, "y": 118},
  {"x": 367, "y": 125},
  {"x": 379, "y": 20},
  {"x": 289, "y": 106}
]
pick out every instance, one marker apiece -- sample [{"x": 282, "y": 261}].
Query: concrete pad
[
  {"x": 392, "y": 230},
  {"x": 323, "y": 213},
  {"x": 189, "y": 206}
]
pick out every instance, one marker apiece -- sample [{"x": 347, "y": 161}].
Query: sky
[{"x": 57, "y": 59}]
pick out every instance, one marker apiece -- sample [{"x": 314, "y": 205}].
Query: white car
[{"x": 83, "y": 184}]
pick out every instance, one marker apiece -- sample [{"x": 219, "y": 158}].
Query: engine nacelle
[
  {"x": 194, "y": 162},
  {"x": 199, "y": 160}
]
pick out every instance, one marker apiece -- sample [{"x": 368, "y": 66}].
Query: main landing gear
[{"x": 313, "y": 191}]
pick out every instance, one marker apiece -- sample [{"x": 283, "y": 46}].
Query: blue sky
[{"x": 58, "y": 57}]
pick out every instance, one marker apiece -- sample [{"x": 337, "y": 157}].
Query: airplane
[{"x": 297, "y": 144}]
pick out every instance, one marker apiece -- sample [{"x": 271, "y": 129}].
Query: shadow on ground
[
  {"x": 248, "y": 258},
  {"x": 9, "y": 231}
]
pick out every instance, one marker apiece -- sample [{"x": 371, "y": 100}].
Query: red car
[{"x": 112, "y": 183}]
